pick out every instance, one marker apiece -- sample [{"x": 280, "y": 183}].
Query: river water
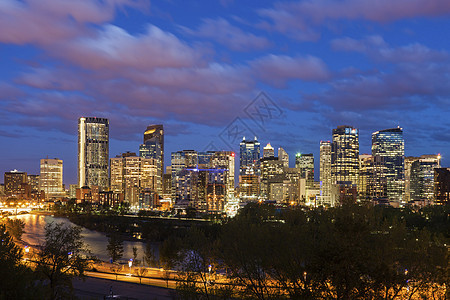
[{"x": 96, "y": 241}]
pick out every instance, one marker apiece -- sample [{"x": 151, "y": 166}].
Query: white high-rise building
[
  {"x": 326, "y": 197},
  {"x": 51, "y": 178},
  {"x": 93, "y": 152}
]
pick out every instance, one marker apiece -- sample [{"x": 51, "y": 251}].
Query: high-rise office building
[
  {"x": 422, "y": 177},
  {"x": 305, "y": 164},
  {"x": 249, "y": 158},
  {"x": 16, "y": 184},
  {"x": 51, "y": 178},
  {"x": 388, "y": 147},
  {"x": 153, "y": 147},
  {"x": 325, "y": 198},
  {"x": 272, "y": 171},
  {"x": 225, "y": 160},
  {"x": 442, "y": 186},
  {"x": 268, "y": 151},
  {"x": 93, "y": 152},
  {"x": 131, "y": 174},
  {"x": 345, "y": 155},
  {"x": 180, "y": 161},
  {"x": 372, "y": 182},
  {"x": 284, "y": 157},
  {"x": 408, "y": 162}
]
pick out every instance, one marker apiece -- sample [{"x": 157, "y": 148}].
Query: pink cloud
[
  {"x": 377, "y": 48},
  {"x": 228, "y": 35},
  {"x": 46, "y": 22},
  {"x": 112, "y": 48},
  {"x": 277, "y": 69},
  {"x": 297, "y": 18}
]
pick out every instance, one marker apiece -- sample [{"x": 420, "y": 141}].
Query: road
[{"x": 97, "y": 288}]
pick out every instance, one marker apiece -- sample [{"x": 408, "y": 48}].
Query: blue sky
[{"x": 199, "y": 68}]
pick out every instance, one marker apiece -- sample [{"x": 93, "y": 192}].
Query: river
[{"x": 96, "y": 241}]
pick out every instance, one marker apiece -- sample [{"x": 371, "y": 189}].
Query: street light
[{"x": 130, "y": 263}]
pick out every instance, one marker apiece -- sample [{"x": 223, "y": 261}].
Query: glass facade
[
  {"x": 93, "y": 152},
  {"x": 249, "y": 157},
  {"x": 305, "y": 164},
  {"x": 422, "y": 177},
  {"x": 51, "y": 178},
  {"x": 388, "y": 147},
  {"x": 345, "y": 155},
  {"x": 153, "y": 147},
  {"x": 325, "y": 198}
]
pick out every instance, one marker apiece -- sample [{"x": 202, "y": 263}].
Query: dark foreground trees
[
  {"x": 61, "y": 257},
  {"x": 16, "y": 279},
  {"x": 350, "y": 252}
]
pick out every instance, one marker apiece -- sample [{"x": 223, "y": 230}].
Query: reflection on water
[{"x": 96, "y": 241}]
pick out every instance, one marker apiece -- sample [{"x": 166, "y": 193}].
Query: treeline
[
  {"x": 151, "y": 230},
  {"x": 349, "y": 252}
]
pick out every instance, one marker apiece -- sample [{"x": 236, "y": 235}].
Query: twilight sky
[{"x": 199, "y": 68}]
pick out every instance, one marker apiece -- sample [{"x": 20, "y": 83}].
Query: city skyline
[{"x": 198, "y": 68}]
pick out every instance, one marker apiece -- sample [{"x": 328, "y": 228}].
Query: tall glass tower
[
  {"x": 345, "y": 155},
  {"x": 325, "y": 174},
  {"x": 153, "y": 147},
  {"x": 249, "y": 159},
  {"x": 93, "y": 152},
  {"x": 388, "y": 147}
]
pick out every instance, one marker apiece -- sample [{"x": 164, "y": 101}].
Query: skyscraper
[
  {"x": 93, "y": 152},
  {"x": 284, "y": 157},
  {"x": 16, "y": 184},
  {"x": 305, "y": 164},
  {"x": 51, "y": 178},
  {"x": 345, "y": 155},
  {"x": 131, "y": 174},
  {"x": 325, "y": 174},
  {"x": 268, "y": 151},
  {"x": 153, "y": 147},
  {"x": 249, "y": 157},
  {"x": 422, "y": 177},
  {"x": 388, "y": 147}
]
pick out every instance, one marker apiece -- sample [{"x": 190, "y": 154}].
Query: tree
[
  {"x": 136, "y": 261},
  {"x": 61, "y": 257},
  {"x": 140, "y": 272},
  {"x": 150, "y": 257},
  {"x": 16, "y": 280},
  {"x": 115, "y": 247},
  {"x": 15, "y": 227}
]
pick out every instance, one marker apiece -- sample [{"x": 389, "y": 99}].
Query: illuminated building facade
[
  {"x": 372, "y": 182},
  {"x": 131, "y": 174},
  {"x": 93, "y": 152},
  {"x": 268, "y": 151},
  {"x": 272, "y": 171},
  {"x": 422, "y": 177},
  {"x": 249, "y": 157},
  {"x": 16, "y": 184},
  {"x": 388, "y": 147},
  {"x": 153, "y": 147},
  {"x": 180, "y": 161},
  {"x": 345, "y": 155},
  {"x": 51, "y": 178},
  {"x": 325, "y": 198},
  {"x": 305, "y": 164},
  {"x": 249, "y": 169},
  {"x": 284, "y": 157},
  {"x": 442, "y": 186},
  {"x": 225, "y": 160}
]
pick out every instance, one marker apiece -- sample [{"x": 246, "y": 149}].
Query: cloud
[
  {"x": 114, "y": 48},
  {"x": 300, "y": 19},
  {"x": 377, "y": 48},
  {"x": 228, "y": 35},
  {"x": 277, "y": 69},
  {"x": 45, "y": 22}
]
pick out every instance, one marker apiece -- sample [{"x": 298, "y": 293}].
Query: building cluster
[{"x": 206, "y": 180}]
